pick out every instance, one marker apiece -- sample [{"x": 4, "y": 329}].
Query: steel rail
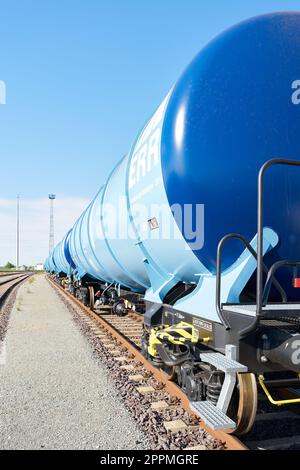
[
  {"x": 7, "y": 286},
  {"x": 232, "y": 442}
]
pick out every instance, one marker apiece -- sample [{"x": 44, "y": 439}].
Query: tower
[{"x": 51, "y": 227}]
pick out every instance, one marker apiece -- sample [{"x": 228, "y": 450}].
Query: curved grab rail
[
  {"x": 260, "y": 216},
  {"x": 270, "y": 277},
  {"x": 219, "y": 273}
]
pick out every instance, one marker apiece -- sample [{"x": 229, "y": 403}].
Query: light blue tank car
[
  {"x": 190, "y": 177},
  {"x": 201, "y": 151},
  {"x": 60, "y": 260},
  {"x": 189, "y": 180},
  {"x": 49, "y": 265}
]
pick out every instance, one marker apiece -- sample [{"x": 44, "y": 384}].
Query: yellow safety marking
[
  {"x": 166, "y": 332},
  {"x": 206, "y": 340},
  {"x": 153, "y": 341},
  {"x": 181, "y": 330},
  {"x": 271, "y": 399}
]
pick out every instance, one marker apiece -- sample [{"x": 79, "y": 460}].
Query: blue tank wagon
[{"x": 200, "y": 224}]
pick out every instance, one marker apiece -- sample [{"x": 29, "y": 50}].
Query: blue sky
[{"x": 83, "y": 76}]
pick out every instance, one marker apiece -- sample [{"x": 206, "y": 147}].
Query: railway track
[
  {"x": 10, "y": 273},
  {"x": 8, "y": 287},
  {"x": 8, "y": 282},
  {"x": 158, "y": 400},
  {"x": 276, "y": 428}
]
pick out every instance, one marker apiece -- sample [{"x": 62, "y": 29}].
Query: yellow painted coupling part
[
  {"x": 206, "y": 340},
  {"x": 182, "y": 333},
  {"x": 179, "y": 334},
  {"x": 289, "y": 401},
  {"x": 153, "y": 340}
]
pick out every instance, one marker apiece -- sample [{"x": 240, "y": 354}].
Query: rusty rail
[{"x": 232, "y": 442}]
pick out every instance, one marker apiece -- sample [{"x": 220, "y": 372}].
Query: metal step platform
[
  {"x": 215, "y": 415},
  {"x": 221, "y": 362},
  {"x": 212, "y": 416},
  {"x": 271, "y": 310}
]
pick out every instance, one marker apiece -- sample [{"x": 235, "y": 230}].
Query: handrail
[
  {"x": 261, "y": 267},
  {"x": 260, "y": 216},
  {"x": 219, "y": 274},
  {"x": 260, "y": 222},
  {"x": 275, "y": 266}
]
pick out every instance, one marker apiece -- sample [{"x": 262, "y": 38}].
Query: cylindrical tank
[
  {"x": 49, "y": 264},
  {"x": 67, "y": 254},
  {"x": 236, "y": 106},
  {"x": 56, "y": 255},
  {"x": 77, "y": 252},
  {"x": 61, "y": 256}
]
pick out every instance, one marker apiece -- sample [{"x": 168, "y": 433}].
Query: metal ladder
[{"x": 215, "y": 415}]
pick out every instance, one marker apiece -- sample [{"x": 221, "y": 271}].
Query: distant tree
[{"x": 9, "y": 265}]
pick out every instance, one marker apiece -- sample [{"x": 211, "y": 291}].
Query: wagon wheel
[
  {"x": 243, "y": 406},
  {"x": 91, "y": 297}
]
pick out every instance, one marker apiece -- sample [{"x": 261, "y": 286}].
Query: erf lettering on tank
[
  {"x": 146, "y": 153},
  {"x": 145, "y": 158}
]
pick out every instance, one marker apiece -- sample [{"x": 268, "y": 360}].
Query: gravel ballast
[
  {"x": 53, "y": 393},
  {"x": 150, "y": 421}
]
